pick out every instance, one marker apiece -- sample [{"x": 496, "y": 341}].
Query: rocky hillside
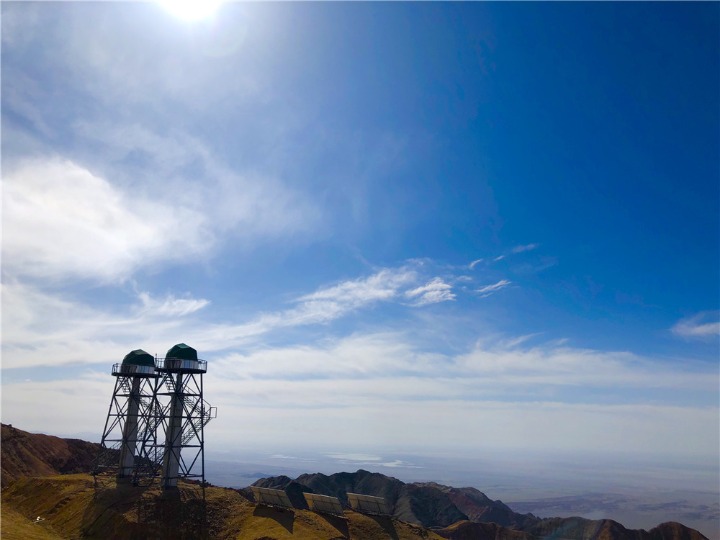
[
  {"x": 29, "y": 454},
  {"x": 72, "y": 506},
  {"x": 427, "y": 504},
  {"x": 465, "y": 513}
]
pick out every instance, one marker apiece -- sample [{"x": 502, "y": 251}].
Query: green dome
[
  {"x": 183, "y": 352},
  {"x": 138, "y": 357}
]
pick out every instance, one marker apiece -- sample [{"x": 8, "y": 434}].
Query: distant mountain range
[
  {"x": 463, "y": 513},
  {"x": 419, "y": 510}
]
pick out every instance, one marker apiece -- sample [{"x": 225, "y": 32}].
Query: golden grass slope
[
  {"x": 15, "y": 526},
  {"x": 73, "y": 507}
]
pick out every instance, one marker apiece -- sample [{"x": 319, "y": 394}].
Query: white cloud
[
  {"x": 514, "y": 251},
  {"x": 322, "y": 306},
  {"x": 475, "y": 263},
  {"x": 180, "y": 169},
  {"x": 487, "y": 290},
  {"x": 330, "y": 303},
  {"x": 367, "y": 356},
  {"x": 402, "y": 411},
  {"x": 383, "y": 285},
  {"x": 490, "y": 397},
  {"x": 527, "y": 247},
  {"x": 432, "y": 292},
  {"x": 51, "y": 329},
  {"x": 78, "y": 404},
  {"x": 60, "y": 220},
  {"x": 387, "y": 367},
  {"x": 170, "y": 306},
  {"x": 701, "y": 326}
]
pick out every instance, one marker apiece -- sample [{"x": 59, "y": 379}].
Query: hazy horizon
[{"x": 636, "y": 494}]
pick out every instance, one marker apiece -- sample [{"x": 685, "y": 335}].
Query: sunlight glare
[{"x": 191, "y": 10}]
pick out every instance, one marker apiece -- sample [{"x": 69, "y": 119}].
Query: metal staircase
[{"x": 196, "y": 423}]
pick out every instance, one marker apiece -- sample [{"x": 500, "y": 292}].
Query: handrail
[
  {"x": 133, "y": 369},
  {"x": 181, "y": 364}
]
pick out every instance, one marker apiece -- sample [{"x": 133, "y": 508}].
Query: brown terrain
[
  {"x": 29, "y": 454},
  {"x": 43, "y": 499}
]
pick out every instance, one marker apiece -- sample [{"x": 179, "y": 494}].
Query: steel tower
[
  {"x": 185, "y": 416},
  {"x": 128, "y": 426}
]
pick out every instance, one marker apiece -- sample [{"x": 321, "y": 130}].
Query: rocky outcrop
[{"x": 427, "y": 504}]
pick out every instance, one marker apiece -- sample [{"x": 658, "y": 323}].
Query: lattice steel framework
[
  {"x": 183, "y": 419},
  {"x": 130, "y": 433},
  {"x": 156, "y": 410}
]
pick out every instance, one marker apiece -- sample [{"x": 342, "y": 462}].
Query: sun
[{"x": 191, "y": 10}]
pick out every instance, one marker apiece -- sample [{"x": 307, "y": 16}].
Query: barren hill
[{"x": 31, "y": 454}]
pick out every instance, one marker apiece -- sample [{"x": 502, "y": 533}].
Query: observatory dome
[
  {"x": 183, "y": 352},
  {"x": 138, "y": 357}
]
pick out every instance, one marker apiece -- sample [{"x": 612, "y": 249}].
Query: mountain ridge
[
  {"x": 426, "y": 503},
  {"x": 35, "y": 454},
  {"x": 465, "y": 513}
]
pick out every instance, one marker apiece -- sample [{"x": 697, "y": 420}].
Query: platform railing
[
  {"x": 181, "y": 364},
  {"x": 134, "y": 369}
]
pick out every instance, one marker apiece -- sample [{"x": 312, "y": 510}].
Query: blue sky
[{"x": 460, "y": 229}]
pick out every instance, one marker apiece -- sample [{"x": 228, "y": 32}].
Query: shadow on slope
[
  {"x": 386, "y": 524},
  {"x": 285, "y": 518}
]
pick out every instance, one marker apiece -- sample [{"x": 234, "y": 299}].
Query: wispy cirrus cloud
[
  {"x": 350, "y": 294},
  {"x": 181, "y": 169},
  {"x": 487, "y": 290},
  {"x": 512, "y": 251},
  {"x": 432, "y": 292},
  {"x": 704, "y": 326},
  {"x": 328, "y": 304},
  {"x": 523, "y": 248},
  {"x": 170, "y": 306},
  {"x": 55, "y": 329},
  {"x": 335, "y": 301},
  {"x": 52, "y": 329}
]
